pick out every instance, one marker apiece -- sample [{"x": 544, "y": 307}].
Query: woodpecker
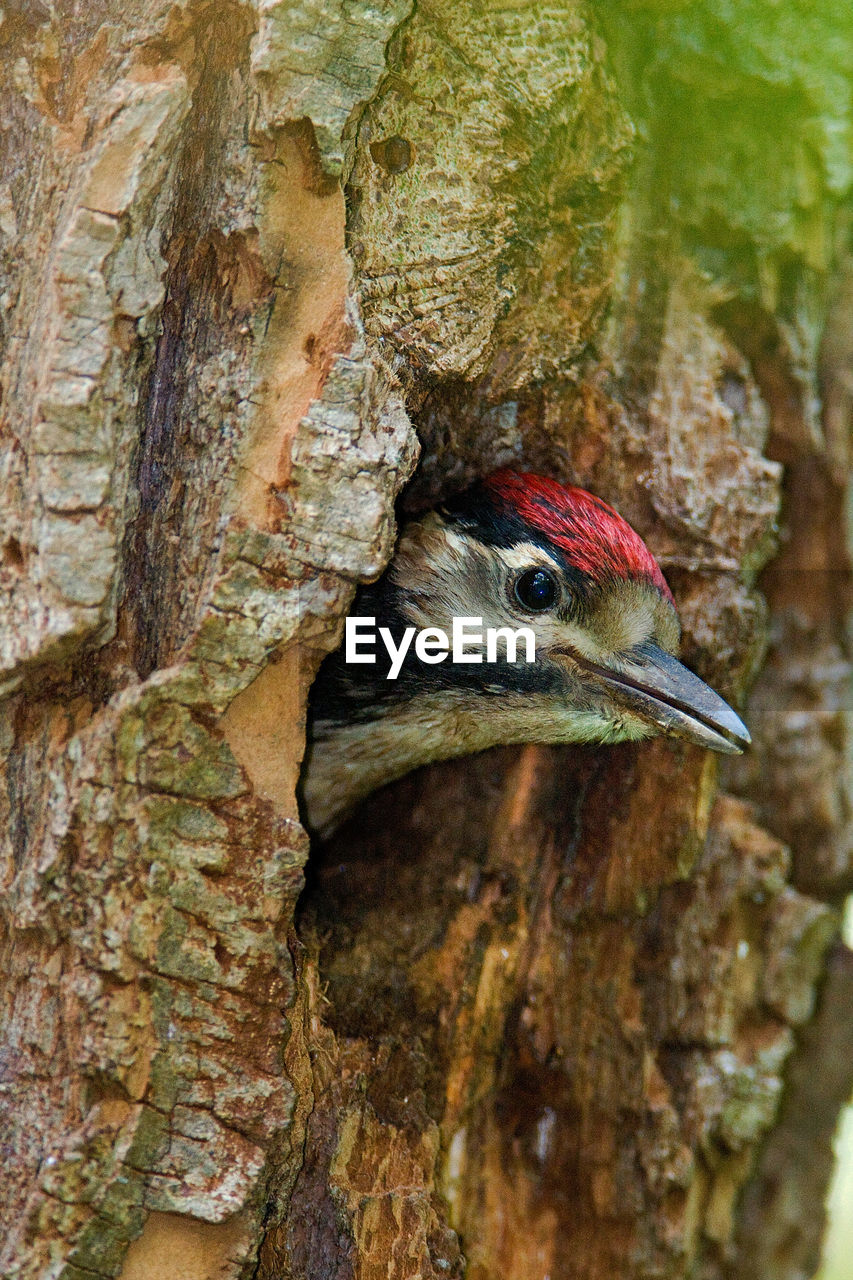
[{"x": 517, "y": 550}]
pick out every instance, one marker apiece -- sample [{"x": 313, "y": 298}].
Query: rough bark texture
[{"x": 561, "y": 1013}]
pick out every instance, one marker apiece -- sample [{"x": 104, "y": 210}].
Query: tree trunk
[{"x": 544, "y": 1012}]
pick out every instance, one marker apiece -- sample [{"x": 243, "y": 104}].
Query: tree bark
[{"x": 544, "y": 1012}]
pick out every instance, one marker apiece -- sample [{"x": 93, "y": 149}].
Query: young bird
[{"x": 515, "y": 550}]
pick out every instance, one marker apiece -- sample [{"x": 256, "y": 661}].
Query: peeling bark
[{"x": 540, "y": 1012}]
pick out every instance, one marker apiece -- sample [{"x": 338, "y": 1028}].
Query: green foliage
[{"x": 746, "y": 105}]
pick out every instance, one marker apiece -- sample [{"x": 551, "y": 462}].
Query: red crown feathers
[{"x": 593, "y": 536}]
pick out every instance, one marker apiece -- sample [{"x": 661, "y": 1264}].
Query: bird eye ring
[{"x": 536, "y": 589}]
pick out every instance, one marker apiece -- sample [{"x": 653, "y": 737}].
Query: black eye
[{"x": 536, "y": 589}]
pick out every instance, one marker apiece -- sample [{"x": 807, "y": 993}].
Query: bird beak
[{"x": 658, "y": 688}]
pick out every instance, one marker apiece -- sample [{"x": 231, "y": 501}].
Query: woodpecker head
[{"x": 516, "y": 550}]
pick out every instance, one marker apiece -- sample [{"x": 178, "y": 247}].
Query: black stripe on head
[
  {"x": 477, "y": 511},
  {"x": 495, "y": 523}
]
